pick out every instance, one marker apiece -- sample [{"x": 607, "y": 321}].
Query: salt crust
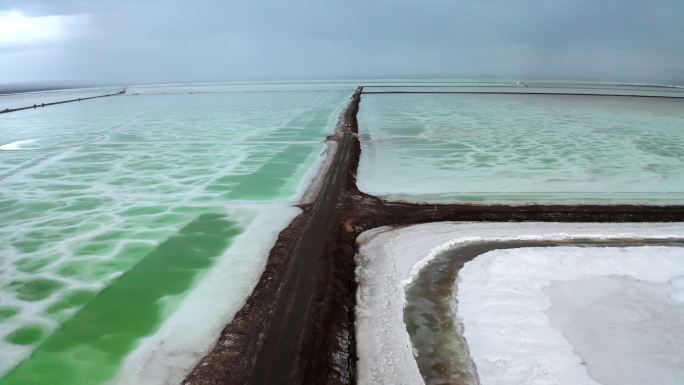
[
  {"x": 506, "y": 311},
  {"x": 389, "y": 259}
]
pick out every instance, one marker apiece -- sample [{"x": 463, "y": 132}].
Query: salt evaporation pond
[
  {"x": 133, "y": 227},
  {"x": 521, "y": 148},
  {"x": 534, "y": 303},
  {"x": 606, "y": 316},
  {"x": 575, "y": 315}
]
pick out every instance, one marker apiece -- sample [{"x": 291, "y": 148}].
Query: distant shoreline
[{"x": 20, "y": 88}]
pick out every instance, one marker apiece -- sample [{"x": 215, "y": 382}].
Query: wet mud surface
[{"x": 297, "y": 327}]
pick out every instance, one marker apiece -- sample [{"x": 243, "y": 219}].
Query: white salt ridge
[
  {"x": 390, "y": 258},
  {"x": 52, "y": 142}
]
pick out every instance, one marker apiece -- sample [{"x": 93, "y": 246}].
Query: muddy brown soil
[{"x": 297, "y": 327}]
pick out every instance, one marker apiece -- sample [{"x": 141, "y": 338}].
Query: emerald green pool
[{"x": 113, "y": 210}]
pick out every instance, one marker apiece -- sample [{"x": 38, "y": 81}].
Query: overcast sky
[{"x": 133, "y": 41}]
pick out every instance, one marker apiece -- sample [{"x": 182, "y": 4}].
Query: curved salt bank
[{"x": 389, "y": 259}]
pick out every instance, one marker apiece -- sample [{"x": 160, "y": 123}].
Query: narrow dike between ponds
[
  {"x": 297, "y": 326},
  {"x": 42, "y": 105}
]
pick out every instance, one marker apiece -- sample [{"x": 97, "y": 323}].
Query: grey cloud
[{"x": 159, "y": 41}]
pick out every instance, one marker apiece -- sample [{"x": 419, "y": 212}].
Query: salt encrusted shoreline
[{"x": 390, "y": 258}]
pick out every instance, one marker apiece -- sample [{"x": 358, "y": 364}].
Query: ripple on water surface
[{"x": 522, "y": 148}]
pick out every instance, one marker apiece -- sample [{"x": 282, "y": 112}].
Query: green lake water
[
  {"x": 113, "y": 209},
  {"x": 522, "y": 148}
]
